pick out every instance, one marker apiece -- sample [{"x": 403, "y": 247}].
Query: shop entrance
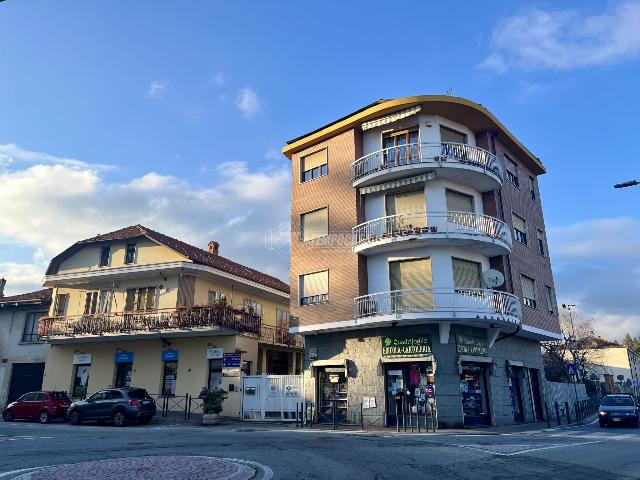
[
  {"x": 123, "y": 375},
  {"x": 409, "y": 386},
  {"x": 170, "y": 378},
  {"x": 516, "y": 394},
  {"x": 473, "y": 389},
  {"x": 332, "y": 393},
  {"x": 80, "y": 381}
]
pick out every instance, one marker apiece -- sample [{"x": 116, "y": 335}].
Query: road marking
[
  {"x": 555, "y": 446},
  {"x": 526, "y": 450}
]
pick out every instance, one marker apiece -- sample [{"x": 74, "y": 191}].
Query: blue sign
[
  {"x": 231, "y": 360},
  {"x": 571, "y": 369},
  {"x": 123, "y": 357},
  {"x": 170, "y": 355}
]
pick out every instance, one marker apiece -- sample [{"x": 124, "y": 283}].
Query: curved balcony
[
  {"x": 472, "y": 306},
  {"x": 456, "y": 161},
  {"x": 483, "y": 233}
]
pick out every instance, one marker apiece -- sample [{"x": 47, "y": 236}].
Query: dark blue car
[{"x": 118, "y": 405}]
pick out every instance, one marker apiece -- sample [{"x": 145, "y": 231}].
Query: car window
[
  {"x": 114, "y": 395},
  {"x": 39, "y": 397},
  {"x": 618, "y": 402},
  {"x": 27, "y": 397},
  {"x": 138, "y": 394},
  {"x": 97, "y": 396}
]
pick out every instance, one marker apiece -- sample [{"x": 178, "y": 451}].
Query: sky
[{"x": 173, "y": 115}]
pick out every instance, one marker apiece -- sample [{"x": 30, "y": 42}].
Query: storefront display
[
  {"x": 473, "y": 389},
  {"x": 332, "y": 390},
  {"x": 409, "y": 386}
]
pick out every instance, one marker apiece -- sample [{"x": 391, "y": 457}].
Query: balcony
[
  {"x": 486, "y": 234},
  {"x": 280, "y": 336},
  {"x": 470, "y": 306},
  {"x": 149, "y": 324},
  {"x": 456, "y": 161}
]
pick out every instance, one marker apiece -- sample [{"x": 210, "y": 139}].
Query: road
[{"x": 577, "y": 452}]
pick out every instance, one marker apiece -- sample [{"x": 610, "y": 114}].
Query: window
[
  {"x": 140, "y": 299},
  {"x": 410, "y": 282},
  {"x": 30, "y": 331},
  {"x": 519, "y": 228},
  {"x": 532, "y": 188},
  {"x": 449, "y": 135},
  {"x": 97, "y": 302},
  {"x": 282, "y": 318},
  {"x": 252, "y": 306},
  {"x": 459, "y": 202},
  {"x": 105, "y": 255},
  {"x": 512, "y": 171},
  {"x": 314, "y": 288},
  {"x": 130, "y": 256},
  {"x": 401, "y": 146},
  {"x": 215, "y": 374},
  {"x": 314, "y": 165},
  {"x": 215, "y": 297},
  {"x": 130, "y": 300},
  {"x": 528, "y": 291},
  {"x": 61, "y": 304},
  {"x": 113, "y": 395},
  {"x": 405, "y": 203},
  {"x": 90, "y": 302},
  {"x": 314, "y": 224},
  {"x": 466, "y": 274},
  {"x": 541, "y": 245},
  {"x": 551, "y": 300}
]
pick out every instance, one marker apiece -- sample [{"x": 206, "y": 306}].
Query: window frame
[
  {"x": 254, "y": 305},
  {"x": 57, "y": 312},
  {"x": 532, "y": 189},
  {"x": 31, "y": 319},
  {"x": 322, "y": 298},
  {"x": 542, "y": 243},
  {"x": 102, "y": 262},
  {"x": 529, "y": 302},
  {"x": 552, "y": 307},
  {"x": 526, "y": 228},
  {"x": 134, "y": 255},
  {"x": 287, "y": 319},
  {"x": 301, "y": 233},
  {"x": 512, "y": 177},
  {"x": 478, "y": 264},
  {"x": 453, "y": 130},
  {"x": 322, "y": 172}
]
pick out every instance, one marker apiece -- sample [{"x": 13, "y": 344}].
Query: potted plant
[{"x": 212, "y": 406}]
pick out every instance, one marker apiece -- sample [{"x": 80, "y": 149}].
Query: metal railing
[
  {"x": 280, "y": 336},
  {"x": 432, "y": 224},
  {"x": 456, "y": 300},
  {"x": 436, "y": 154},
  {"x": 222, "y": 316}
]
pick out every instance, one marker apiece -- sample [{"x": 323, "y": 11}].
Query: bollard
[
  {"x": 397, "y": 419},
  {"x": 566, "y": 406},
  {"x": 361, "y": 417},
  {"x": 546, "y": 409},
  {"x": 558, "y": 414}
]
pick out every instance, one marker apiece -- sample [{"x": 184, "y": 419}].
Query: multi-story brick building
[{"x": 419, "y": 266}]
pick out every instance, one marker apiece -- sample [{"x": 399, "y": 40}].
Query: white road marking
[
  {"x": 556, "y": 446},
  {"x": 526, "y": 450}
]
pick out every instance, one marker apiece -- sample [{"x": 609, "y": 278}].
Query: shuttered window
[
  {"x": 519, "y": 228},
  {"x": 406, "y": 202},
  {"x": 62, "y": 299},
  {"x": 314, "y": 224},
  {"x": 551, "y": 300},
  {"x": 512, "y": 170},
  {"x": 466, "y": 274},
  {"x": 459, "y": 202},
  {"x": 130, "y": 300},
  {"x": 410, "y": 274},
  {"x": 528, "y": 291},
  {"x": 450, "y": 135},
  {"x": 313, "y": 165},
  {"x": 542, "y": 248},
  {"x": 314, "y": 288}
]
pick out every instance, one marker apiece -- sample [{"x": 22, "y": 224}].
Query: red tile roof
[
  {"x": 195, "y": 254},
  {"x": 41, "y": 296}
]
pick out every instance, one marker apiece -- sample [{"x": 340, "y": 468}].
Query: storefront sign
[
  {"x": 231, "y": 360},
  {"x": 214, "y": 353},
  {"x": 406, "y": 346},
  {"x": 368, "y": 402},
  {"x": 123, "y": 357},
  {"x": 170, "y": 355},
  {"x": 82, "y": 359},
  {"x": 291, "y": 391},
  {"x": 468, "y": 345}
]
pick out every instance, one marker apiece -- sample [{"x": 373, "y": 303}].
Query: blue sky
[{"x": 173, "y": 114}]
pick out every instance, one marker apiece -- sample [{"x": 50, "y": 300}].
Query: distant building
[
  {"x": 22, "y": 355},
  {"x": 618, "y": 368}
]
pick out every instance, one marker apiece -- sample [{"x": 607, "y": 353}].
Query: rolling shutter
[
  {"x": 528, "y": 287},
  {"x": 314, "y": 224},
  {"x": 519, "y": 223},
  {"x": 410, "y": 274},
  {"x": 459, "y": 202},
  {"x": 313, "y": 284},
  {"x": 451, "y": 135},
  {"x": 404, "y": 203},
  {"x": 314, "y": 160},
  {"x": 466, "y": 274}
]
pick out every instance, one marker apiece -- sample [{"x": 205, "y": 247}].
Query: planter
[{"x": 210, "y": 419}]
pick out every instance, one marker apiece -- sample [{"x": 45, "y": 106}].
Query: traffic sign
[{"x": 571, "y": 369}]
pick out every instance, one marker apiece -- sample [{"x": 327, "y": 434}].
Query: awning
[
  {"x": 515, "y": 363},
  {"x": 403, "y": 182},
  {"x": 390, "y": 118},
  {"x": 475, "y": 359},
  {"x": 330, "y": 363},
  {"x": 426, "y": 358}
]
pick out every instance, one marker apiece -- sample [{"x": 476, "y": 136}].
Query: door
[
  {"x": 25, "y": 377},
  {"x": 410, "y": 388},
  {"x": 332, "y": 391},
  {"x": 95, "y": 406},
  {"x": 170, "y": 378},
  {"x": 535, "y": 393},
  {"x": 401, "y": 147},
  {"x": 80, "y": 381},
  {"x": 515, "y": 390},
  {"x": 123, "y": 375},
  {"x": 473, "y": 390}
]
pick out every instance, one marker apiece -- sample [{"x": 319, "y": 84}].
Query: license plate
[
  {"x": 617, "y": 419},
  {"x": 145, "y": 402},
  {"x": 65, "y": 405}
]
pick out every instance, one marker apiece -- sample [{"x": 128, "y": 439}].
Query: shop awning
[
  {"x": 398, "y": 183},
  {"x": 426, "y": 358},
  {"x": 378, "y": 122},
  {"x": 330, "y": 363},
  {"x": 515, "y": 363},
  {"x": 475, "y": 359}
]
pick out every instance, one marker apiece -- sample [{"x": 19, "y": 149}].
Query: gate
[{"x": 271, "y": 397}]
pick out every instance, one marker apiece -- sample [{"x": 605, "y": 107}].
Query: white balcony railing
[
  {"x": 470, "y": 301},
  {"x": 436, "y": 154},
  {"x": 434, "y": 225}
]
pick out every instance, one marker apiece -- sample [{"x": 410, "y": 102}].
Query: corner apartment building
[
  {"x": 135, "y": 307},
  {"x": 420, "y": 274},
  {"x": 22, "y": 355}
]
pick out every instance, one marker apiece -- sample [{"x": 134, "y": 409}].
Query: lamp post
[
  {"x": 572, "y": 340},
  {"x": 631, "y": 183}
]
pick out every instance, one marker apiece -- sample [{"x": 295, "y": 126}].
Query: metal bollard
[
  {"x": 397, "y": 419},
  {"x": 558, "y": 414},
  {"x": 566, "y": 406},
  {"x": 546, "y": 409}
]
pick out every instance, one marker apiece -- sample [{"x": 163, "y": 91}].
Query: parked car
[
  {"x": 619, "y": 409},
  {"x": 119, "y": 405},
  {"x": 41, "y": 406}
]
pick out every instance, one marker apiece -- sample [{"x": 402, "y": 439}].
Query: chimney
[
  {"x": 214, "y": 247},
  {"x": 3, "y": 282}
]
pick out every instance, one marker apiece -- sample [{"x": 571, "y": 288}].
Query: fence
[
  {"x": 178, "y": 407},
  {"x": 567, "y": 402},
  {"x": 271, "y": 397}
]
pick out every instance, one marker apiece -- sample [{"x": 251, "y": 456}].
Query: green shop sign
[
  {"x": 471, "y": 345},
  {"x": 412, "y": 345}
]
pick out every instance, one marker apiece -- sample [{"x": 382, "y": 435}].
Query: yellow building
[{"x": 137, "y": 308}]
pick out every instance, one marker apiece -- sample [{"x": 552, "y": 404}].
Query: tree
[{"x": 632, "y": 342}]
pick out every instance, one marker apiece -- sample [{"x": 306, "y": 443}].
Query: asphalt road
[{"x": 569, "y": 453}]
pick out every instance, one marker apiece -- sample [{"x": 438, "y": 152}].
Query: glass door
[
  {"x": 170, "y": 378},
  {"x": 123, "y": 375},
  {"x": 516, "y": 395},
  {"x": 332, "y": 393},
  {"x": 410, "y": 389},
  {"x": 80, "y": 381},
  {"x": 473, "y": 389}
]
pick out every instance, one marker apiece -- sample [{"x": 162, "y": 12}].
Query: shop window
[
  {"x": 30, "y": 330},
  {"x": 215, "y": 374},
  {"x": 473, "y": 389},
  {"x": 314, "y": 288},
  {"x": 314, "y": 224},
  {"x": 409, "y": 387},
  {"x": 130, "y": 255},
  {"x": 314, "y": 165},
  {"x": 528, "y": 291},
  {"x": 105, "y": 256},
  {"x": 170, "y": 378},
  {"x": 519, "y": 228},
  {"x": 466, "y": 274}
]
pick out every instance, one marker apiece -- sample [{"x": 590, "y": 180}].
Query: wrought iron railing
[
  {"x": 456, "y": 300},
  {"x": 222, "y": 316},
  {"x": 436, "y": 154},
  {"x": 280, "y": 336},
  {"x": 432, "y": 224}
]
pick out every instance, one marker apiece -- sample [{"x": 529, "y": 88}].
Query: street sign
[
  {"x": 571, "y": 369},
  {"x": 231, "y": 360}
]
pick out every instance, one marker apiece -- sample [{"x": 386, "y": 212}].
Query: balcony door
[
  {"x": 401, "y": 147},
  {"x": 411, "y": 283}
]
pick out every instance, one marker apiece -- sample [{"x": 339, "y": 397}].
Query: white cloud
[
  {"x": 157, "y": 88},
  {"x": 248, "y": 102},
  {"x": 218, "y": 79},
  {"x": 565, "y": 39},
  {"x": 49, "y": 207},
  {"x": 273, "y": 154},
  {"x": 10, "y": 153}
]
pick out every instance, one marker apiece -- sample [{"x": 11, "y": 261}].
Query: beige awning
[
  {"x": 378, "y": 122},
  {"x": 398, "y": 183},
  {"x": 515, "y": 363},
  {"x": 330, "y": 363}
]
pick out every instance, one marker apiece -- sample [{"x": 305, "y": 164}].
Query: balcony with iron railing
[
  {"x": 456, "y": 161},
  {"x": 280, "y": 336},
  {"x": 486, "y": 234},
  {"x": 472, "y": 306}
]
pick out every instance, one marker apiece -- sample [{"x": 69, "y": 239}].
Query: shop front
[
  {"x": 475, "y": 368},
  {"x": 332, "y": 393},
  {"x": 124, "y": 369},
  {"x": 170, "y": 372},
  {"x": 81, "y": 369}
]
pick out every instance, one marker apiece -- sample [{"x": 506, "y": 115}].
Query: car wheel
[
  {"x": 74, "y": 418},
  {"x": 7, "y": 416},
  {"x": 119, "y": 419},
  {"x": 44, "y": 417}
]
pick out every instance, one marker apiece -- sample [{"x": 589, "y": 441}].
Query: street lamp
[
  {"x": 631, "y": 183},
  {"x": 572, "y": 350}
]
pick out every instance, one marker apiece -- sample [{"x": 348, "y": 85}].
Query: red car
[{"x": 41, "y": 406}]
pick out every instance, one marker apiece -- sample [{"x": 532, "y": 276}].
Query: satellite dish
[{"x": 492, "y": 278}]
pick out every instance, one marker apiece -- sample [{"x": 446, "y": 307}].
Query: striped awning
[
  {"x": 390, "y": 118},
  {"x": 397, "y": 183}
]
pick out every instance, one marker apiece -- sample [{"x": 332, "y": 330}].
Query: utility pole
[{"x": 572, "y": 346}]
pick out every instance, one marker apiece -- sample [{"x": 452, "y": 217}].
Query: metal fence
[{"x": 560, "y": 413}]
